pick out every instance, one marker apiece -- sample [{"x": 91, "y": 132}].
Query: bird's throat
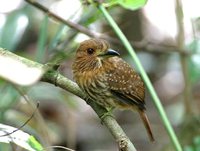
[{"x": 84, "y": 65}]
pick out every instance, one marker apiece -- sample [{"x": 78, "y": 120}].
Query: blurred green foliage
[
  {"x": 195, "y": 146},
  {"x": 13, "y": 29},
  {"x": 48, "y": 41},
  {"x": 194, "y": 61}
]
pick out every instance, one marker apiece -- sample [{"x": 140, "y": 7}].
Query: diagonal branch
[
  {"x": 69, "y": 23},
  {"x": 59, "y": 80},
  {"x": 143, "y": 45}
]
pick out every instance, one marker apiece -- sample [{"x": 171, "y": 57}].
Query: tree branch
[
  {"x": 141, "y": 45},
  {"x": 73, "y": 25},
  {"x": 184, "y": 59},
  {"x": 59, "y": 80}
]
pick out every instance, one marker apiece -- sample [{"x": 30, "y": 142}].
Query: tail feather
[{"x": 146, "y": 124}]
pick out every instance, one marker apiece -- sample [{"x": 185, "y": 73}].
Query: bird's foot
[{"x": 108, "y": 113}]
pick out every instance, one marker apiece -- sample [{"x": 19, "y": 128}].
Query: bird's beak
[{"x": 110, "y": 53}]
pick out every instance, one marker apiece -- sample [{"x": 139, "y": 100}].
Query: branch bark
[{"x": 54, "y": 77}]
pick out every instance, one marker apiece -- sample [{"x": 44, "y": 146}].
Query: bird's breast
[{"x": 95, "y": 85}]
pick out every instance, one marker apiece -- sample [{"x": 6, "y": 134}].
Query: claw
[{"x": 108, "y": 113}]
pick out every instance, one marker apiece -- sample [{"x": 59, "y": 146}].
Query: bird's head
[
  {"x": 91, "y": 53},
  {"x": 94, "y": 48}
]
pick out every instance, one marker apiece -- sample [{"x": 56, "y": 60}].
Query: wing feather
[{"x": 126, "y": 85}]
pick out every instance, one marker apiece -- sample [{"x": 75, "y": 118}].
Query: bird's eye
[{"x": 90, "y": 51}]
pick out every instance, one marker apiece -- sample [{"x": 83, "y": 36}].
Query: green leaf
[
  {"x": 128, "y": 4},
  {"x": 34, "y": 143},
  {"x": 132, "y": 4},
  {"x": 11, "y": 134}
]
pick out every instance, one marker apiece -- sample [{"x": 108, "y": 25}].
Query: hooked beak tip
[{"x": 110, "y": 52}]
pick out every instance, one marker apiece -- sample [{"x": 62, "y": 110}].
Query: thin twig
[
  {"x": 153, "y": 47},
  {"x": 38, "y": 117},
  {"x": 145, "y": 77},
  {"x": 141, "y": 45},
  {"x": 73, "y": 25},
  {"x": 24, "y": 124}
]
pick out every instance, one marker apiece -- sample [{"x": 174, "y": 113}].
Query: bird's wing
[{"x": 126, "y": 85}]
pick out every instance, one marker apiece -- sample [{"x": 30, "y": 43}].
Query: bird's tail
[{"x": 146, "y": 124}]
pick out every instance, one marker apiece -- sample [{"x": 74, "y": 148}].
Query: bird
[{"x": 108, "y": 80}]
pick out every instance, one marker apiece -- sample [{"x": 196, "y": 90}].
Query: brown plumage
[{"x": 108, "y": 80}]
